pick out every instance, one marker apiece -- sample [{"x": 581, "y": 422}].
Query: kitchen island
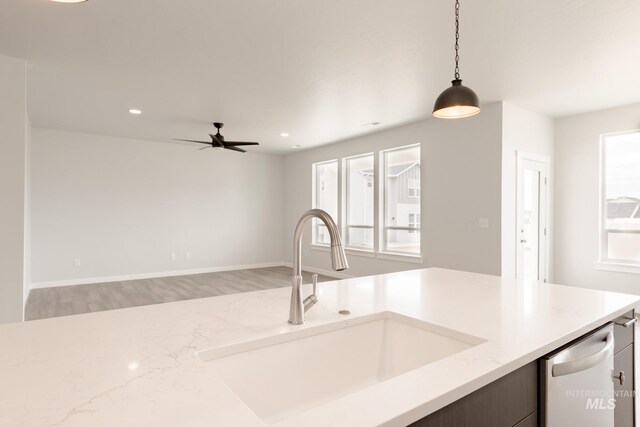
[{"x": 140, "y": 366}]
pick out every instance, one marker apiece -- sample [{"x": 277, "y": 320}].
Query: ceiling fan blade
[
  {"x": 229, "y": 147},
  {"x": 191, "y": 140},
  {"x": 240, "y": 143}
]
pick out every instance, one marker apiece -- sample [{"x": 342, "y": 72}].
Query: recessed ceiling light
[
  {"x": 284, "y": 134},
  {"x": 296, "y": 146},
  {"x": 135, "y": 111},
  {"x": 69, "y": 1}
]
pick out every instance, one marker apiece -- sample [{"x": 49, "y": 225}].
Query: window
[
  {"x": 413, "y": 187},
  {"x": 374, "y": 198},
  {"x": 359, "y": 200},
  {"x": 325, "y": 197},
  {"x": 414, "y": 222},
  {"x": 620, "y": 225},
  {"x": 401, "y": 212}
]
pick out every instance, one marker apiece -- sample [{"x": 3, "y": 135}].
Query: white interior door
[{"x": 531, "y": 235}]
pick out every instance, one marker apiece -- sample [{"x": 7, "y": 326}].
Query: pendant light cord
[{"x": 457, "y": 45}]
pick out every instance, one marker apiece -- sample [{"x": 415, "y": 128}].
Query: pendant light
[{"x": 458, "y": 101}]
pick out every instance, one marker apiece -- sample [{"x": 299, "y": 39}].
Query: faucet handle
[{"x": 313, "y": 298}]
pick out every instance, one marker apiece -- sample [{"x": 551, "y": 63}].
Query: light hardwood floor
[{"x": 68, "y": 300}]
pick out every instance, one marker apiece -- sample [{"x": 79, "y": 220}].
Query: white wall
[
  {"x": 461, "y": 173},
  {"x": 577, "y": 164},
  {"x": 13, "y": 124},
  {"x": 522, "y": 130},
  {"x": 122, "y": 206}
]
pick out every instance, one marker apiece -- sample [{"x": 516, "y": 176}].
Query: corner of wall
[
  {"x": 26, "y": 287},
  {"x": 12, "y": 187}
]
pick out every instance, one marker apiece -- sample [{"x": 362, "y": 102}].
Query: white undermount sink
[{"x": 280, "y": 376}]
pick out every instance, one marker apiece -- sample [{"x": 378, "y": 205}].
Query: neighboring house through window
[
  {"x": 414, "y": 221},
  {"x": 413, "y": 187}
]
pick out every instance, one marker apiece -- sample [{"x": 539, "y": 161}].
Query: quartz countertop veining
[{"x": 138, "y": 366}]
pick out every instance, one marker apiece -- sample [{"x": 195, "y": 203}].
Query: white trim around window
[
  {"x": 617, "y": 267},
  {"x": 624, "y": 229}
]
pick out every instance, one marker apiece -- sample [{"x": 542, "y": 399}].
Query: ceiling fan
[{"x": 217, "y": 141}]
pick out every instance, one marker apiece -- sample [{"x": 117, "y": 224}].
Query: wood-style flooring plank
[{"x": 69, "y": 300}]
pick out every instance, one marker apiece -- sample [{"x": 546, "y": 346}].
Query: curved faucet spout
[{"x": 338, "y": 259}]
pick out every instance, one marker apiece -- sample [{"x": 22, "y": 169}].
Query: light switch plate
[{"x": 483, "y": 223}]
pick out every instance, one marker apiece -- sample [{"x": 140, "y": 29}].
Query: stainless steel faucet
[{"x": 338, "y": 261}]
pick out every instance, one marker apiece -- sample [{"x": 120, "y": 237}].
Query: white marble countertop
[{"x": 137, "y": 367}]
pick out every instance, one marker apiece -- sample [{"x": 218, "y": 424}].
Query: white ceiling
[{"x": 316, "y": 69}]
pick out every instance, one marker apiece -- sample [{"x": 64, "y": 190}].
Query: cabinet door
[
  {"x": 503, "y": 403},
  {"x": 624, "y": 411},
  {"x": 530, "y": 421},
  {"x": 622, "y": 336}
]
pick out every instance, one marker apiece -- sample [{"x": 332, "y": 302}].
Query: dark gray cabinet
[
  {"x": 530, "y": 421},
  {"x": 624, "y": 412},
  {"x": 505, "y": 402},
  {"x": 623, "y": 335},
  {"x": 623, "y": 358}
]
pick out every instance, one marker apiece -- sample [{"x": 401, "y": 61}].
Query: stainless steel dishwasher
[{"x": 577, "y": 382}]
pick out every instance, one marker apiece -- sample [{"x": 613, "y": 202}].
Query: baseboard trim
[
  {"x": 24, "y": 303},
  {"x": 122, "y": 278}
]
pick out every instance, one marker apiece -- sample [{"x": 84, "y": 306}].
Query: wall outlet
[
  {"x": 483, "y": 223},
  {"x": 77, "y": 263},
  {"x": 172, "y": 257},
  {"x": 187, "y": 255}
]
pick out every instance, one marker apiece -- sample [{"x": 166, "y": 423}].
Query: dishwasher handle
[{"x": 567, "y": 368}]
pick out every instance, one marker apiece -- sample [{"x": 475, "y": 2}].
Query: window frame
[
  {"x": 346, "y": 226},
  {"x": 316, "y": 224},
  {"x": 382, "y": 208},
  {"x": 378, "y": 183},
  {"x": 604, "y": 261}
]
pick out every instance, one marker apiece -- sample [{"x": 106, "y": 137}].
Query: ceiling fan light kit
[
  {"x": 218, "y": 142},
  {"x": 457, "y": 101}
]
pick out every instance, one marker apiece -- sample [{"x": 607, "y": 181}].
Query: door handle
[
  {"x": 628, "y": 322},
  {"x": 567, "y": 368},
  {"x": 620, "y": 377}
]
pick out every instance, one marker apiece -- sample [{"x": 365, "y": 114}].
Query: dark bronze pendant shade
[{"x": 458, "y": 101}]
